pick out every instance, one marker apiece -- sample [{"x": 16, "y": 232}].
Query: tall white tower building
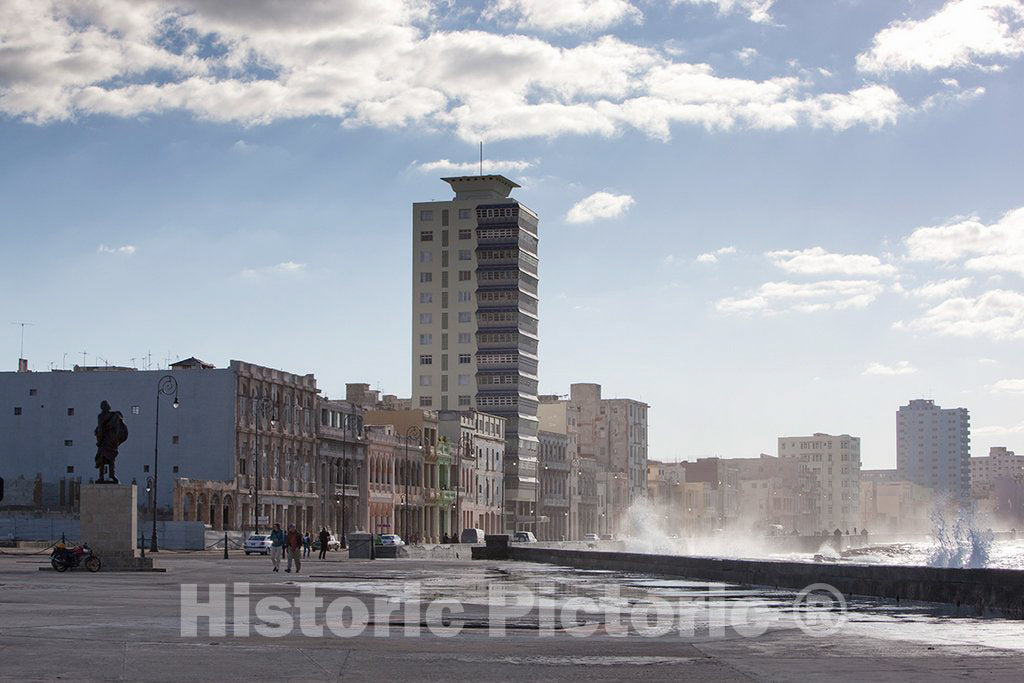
[
  {"x": 933, "y": 447},
  {"x": 474, "y": 320}
]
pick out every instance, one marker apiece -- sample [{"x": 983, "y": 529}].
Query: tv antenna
[
  {"x": 481, "y": 157},
  {"x": 21, "y": 352}
]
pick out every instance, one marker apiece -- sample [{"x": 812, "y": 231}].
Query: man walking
[
  {"x": 277, "y": 540},
  {"x": 324, "y": 539},
  {"x": 306, "y": 542},
  {"x": 294, "y": 549}
]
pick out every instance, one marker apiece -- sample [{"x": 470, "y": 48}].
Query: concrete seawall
[{"x": 997, "y": 590}]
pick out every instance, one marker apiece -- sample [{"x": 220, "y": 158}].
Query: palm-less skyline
[{"x": 762, "y": 218}]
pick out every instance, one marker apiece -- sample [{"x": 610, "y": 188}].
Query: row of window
[
  {"x": 464, "y": 359},
  {"x": 71, "y": 411},
  {"x": 428, "y": 214},
  {"x": 427, "y": 380},
  {"x": 428, "y": 401},
  {"x": 428, "y": 339},
  {"x": 464, "y": 276},
  {"x": 428, "y": 256},
  {"x": 428, "y": 318}
]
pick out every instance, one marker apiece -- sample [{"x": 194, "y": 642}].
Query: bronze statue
[{"x": 111, "y": 432}]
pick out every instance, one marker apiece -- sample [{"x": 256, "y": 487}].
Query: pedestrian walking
[
  {"x": 306, "y": 543},
  {"x": 293, "y": 546},
  {"x": 277, "y": 540},
  {"x": 324, "y": 539}
]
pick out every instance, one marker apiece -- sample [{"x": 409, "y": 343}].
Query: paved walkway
[{"x": 111, "y": 626}]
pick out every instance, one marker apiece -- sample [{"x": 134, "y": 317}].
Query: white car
[
  {"x": 391, "y": 539},
  {"x": 524, "y": 537},
  {"x": 591, "y": 537},
  {"x": 257, "y": 543}
]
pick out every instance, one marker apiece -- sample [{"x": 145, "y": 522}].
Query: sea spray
[{"x": 961, "y": 545}]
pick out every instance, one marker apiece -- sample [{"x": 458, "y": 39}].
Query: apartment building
[
  {"x": 833, "y": 461},
  {"x": 933, "y": 447}
]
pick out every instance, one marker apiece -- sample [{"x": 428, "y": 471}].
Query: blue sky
[{"x": 763, "y": 218}]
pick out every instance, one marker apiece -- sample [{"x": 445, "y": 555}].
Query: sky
[{"x": 761, "y": 217}]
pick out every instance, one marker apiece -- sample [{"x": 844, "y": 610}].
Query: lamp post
[
  {"x": 165, "y": 386},
  {"x": 261, "y": 407},
  {"x": 411, "y": 432}
]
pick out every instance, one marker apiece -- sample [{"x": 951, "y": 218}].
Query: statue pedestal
[{"x": 110, "y": 521}]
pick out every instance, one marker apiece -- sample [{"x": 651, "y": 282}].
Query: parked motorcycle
[{"x": 63, "y": 558}]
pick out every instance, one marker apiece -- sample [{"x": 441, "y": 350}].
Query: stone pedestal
[{"x": 110, "y": 526}]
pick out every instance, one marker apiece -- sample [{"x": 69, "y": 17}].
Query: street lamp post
[
  {"x": 574, "y": 464},
  {"x": 411, "y": 432},
  {"x": 260, "y": 408},
  {"x": 165, "y": 386}
]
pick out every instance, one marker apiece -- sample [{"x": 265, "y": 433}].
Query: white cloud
[
  {"x": 746, "y": 55},
  {"x": 805, "y": 297},
  {"x": 367, "y": 63},
  {"x": 283, "y": 268},
  {"x": 127, "y": 249},
  {"x": 1008, "y": 386},
  {"x": 996, "y": 314},
  {"x": 942, "y": 289},
  {"x": 599, "y": 205},
  {"x": 900, "y": 368},
  {"x": 998, "y": 430},
  {"x": 712, "y": 256},
  {"x": 961, "y": 34},
  {"x": 818, "y": 261},
  {"x": 566, "y": 15},
  {"x": 995, "y": 247},
  {"x": 756, "y": 10},
  {"x": 472, "y": 167}
]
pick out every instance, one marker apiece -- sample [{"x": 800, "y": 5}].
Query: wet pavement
[{"x": 500, "y": 621}]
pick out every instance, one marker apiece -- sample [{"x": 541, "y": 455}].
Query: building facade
[
  {"x": 475, "y": 320},
  {"x": 833, "y": 463},
  {"x": 479, "y": 441},
  {"x": 343, "y": 469},
  {"x": 553, "y": 497},
  {"x": 933, "y": 447}
]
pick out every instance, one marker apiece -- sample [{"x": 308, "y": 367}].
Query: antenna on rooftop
[
  {"x": 481, "y": 157},
  {"x": 21, "y": 353}
]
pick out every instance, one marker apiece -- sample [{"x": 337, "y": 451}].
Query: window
[
  {"x": 465, "y": 316},
  {"x": 17, "y": 410},
  {"x": 463, "y": 380},
  {"x": 464, "y": 358},
  {"x": 33, "y": 392},
  {"x": 465, "y": 255},
  {"x": 426, "y": 318},
  {"x": 465, "y": 296},
  {"x": 426, "y": 277},
  {"x": 175, "y": 439},
  {"x": 426, "y": 235},
  {"x": 424, "y": 380},
  {"x": 69, "y": 442},
  {"x": 426, "y": 297},
  {"x": 145, "y": 468},
  {"x": 174, "y": 469},
  {"x": 135, "y": 410},
  {"x": 426, "y": 215},
  {"x": 444, "y": 217},
  {"x": 425, "y": 257},
  {"x": 463, "y": 214},
  {"x": 426, "y": 339},
  {"x": 464, "y": 400},
  {"x": 465, "y": 275},
  {"x": 464, "y": 337},
  {"x": 426, "y": 401},
  {"x": 426, "y": 359},
  {"x": 71, "y": 412}
]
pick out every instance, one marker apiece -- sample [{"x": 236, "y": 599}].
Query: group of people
[{"x": 295, "y": 546}]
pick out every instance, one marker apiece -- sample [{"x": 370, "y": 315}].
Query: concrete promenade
[{"x": 117, "y": 626}]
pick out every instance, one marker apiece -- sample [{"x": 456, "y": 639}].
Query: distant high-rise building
[
  {"x": 933, "y": 447},
  {"x": 833, "y": 461},
  {"x": 474, "y": 326}
]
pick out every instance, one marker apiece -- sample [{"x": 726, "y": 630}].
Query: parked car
[
  {"x": 524, "y": 537},
  {"x": 332, "y": 543},
  {"x": 472, "y": 536},
  {"x": 257, "y": 543},
  {"x": 391, "y": 539},
  {"x": 591, "y": 537}
]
